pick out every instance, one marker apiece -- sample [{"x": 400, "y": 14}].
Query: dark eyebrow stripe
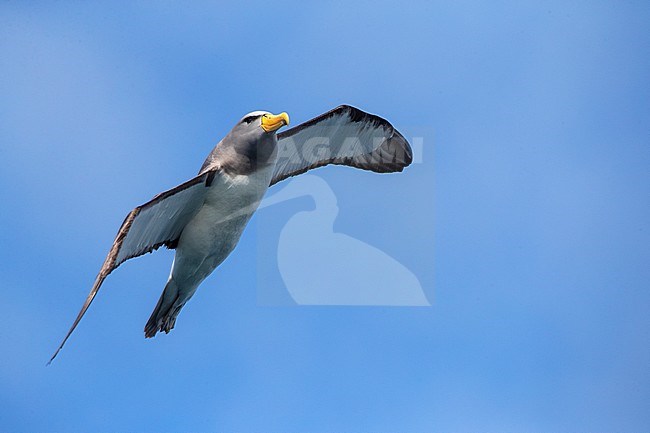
[{"x": 249, "y": 119}]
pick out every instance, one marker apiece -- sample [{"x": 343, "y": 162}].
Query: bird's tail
[{"x": 164, "y": 315}]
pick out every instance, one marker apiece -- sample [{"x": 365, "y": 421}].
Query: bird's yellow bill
[{"x": 272, "y": 122}]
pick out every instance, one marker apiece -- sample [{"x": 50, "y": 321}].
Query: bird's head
[
  {"x": 258, "y": 124},
  {"x": 251, "y": 141}
]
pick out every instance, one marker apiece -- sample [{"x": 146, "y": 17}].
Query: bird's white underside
[{"x": 214, "y": 231}]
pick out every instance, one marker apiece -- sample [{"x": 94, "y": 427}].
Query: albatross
[{"x": 203, "y": 218}]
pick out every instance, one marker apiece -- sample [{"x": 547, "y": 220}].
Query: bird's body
[
  {"x": 209, "y": 237},
  {"x": 204, "y": 217}
]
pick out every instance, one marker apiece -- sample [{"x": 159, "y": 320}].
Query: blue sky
[{"x": 526, "y": 223}]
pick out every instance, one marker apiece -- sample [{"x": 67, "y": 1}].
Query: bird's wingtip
[{"x": 54, "y": 356}]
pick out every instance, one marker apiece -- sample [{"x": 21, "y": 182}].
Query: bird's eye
[{"x": 249, "y": 119}]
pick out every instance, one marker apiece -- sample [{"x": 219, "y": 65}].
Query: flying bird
[{"x": 203, "y": 218}]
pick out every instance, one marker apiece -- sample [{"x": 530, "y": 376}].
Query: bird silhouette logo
[{"x": 336, "y": 268}]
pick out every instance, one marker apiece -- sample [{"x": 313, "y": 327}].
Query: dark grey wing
[
  {"x": 343, "y": 136},
  {"x": 158, "y": 222}
]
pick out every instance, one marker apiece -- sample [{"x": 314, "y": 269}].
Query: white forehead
[{"x": 256, "y": 113}]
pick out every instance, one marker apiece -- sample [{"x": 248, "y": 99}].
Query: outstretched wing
[
  {"x": 158, "y": 222},
  {"x": 344, "y": 136}
]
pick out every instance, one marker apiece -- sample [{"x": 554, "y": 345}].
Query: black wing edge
[
  {"x": 110, "y": 263},
  {"x": 393, "y": 155}
]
